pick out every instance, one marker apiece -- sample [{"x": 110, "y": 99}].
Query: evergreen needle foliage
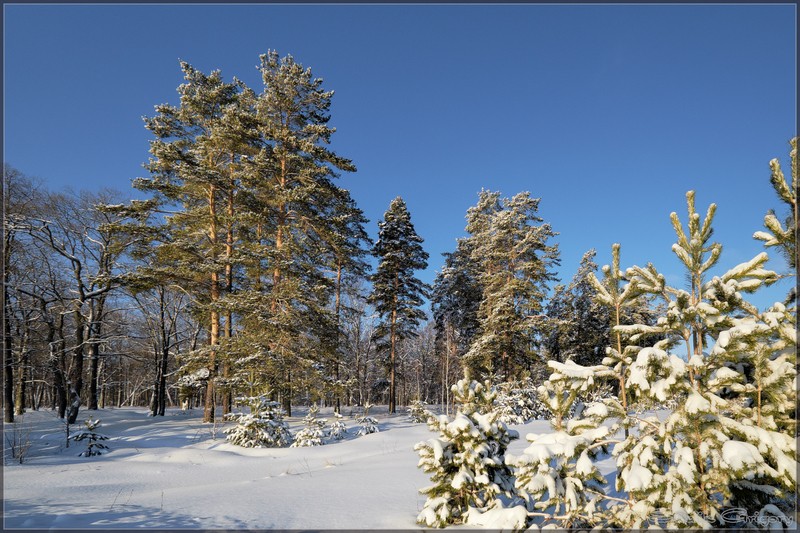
[
  {"x": 262, "y": 427},
  {"x": 396, "y": 293},
  {"x": 508, "y": 243},
  {"x": 467, "y": 460},
  {"x": 92, "y": 438}
]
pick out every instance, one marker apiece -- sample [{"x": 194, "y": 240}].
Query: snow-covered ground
[{"x": 176, "y": 472}]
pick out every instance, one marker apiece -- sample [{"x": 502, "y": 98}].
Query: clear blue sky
[{"x": 609, "y": 113}]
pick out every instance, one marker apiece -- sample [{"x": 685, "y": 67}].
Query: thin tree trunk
[
  {"x": 159, "y": 349},
  {"x": 23, "y": 375},
  {"x": 392, "y": 384},
  {"x": 58, "y": 357},
  {"x": 102, "y": 384},
  {"x": 338, "y": 406},
  {"x": 8, "y": 355},
  {"x": 208, "y": 409},
  {"x": 622, "y": 394},
  {"x": 95, "y": 331},
  {"x": 75, "y": 383},
  {"x": 226, "y": 368}
]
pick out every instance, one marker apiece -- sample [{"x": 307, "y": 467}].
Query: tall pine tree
[
  {"x": 509, "y": 242},
  {"x": 194, "y": 154},
  {"x": 293, "y": 201},
  {"x": 396, "y": 293}
]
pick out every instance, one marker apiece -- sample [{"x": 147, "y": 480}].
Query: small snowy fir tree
[
  {"x": 367, "y": 423},
  {"x": 337, "y": 429},
  {"x": 417, "y": 412},
  {"x": 93, "y": 444},
  {"x": 616, "y": 296},
  {"x": 725, "y": 454},
  {"x": 717, "y": 450},
  {"x": 262, "y": 427},
  {"x": 467, "y": 463},
  {"x": 556, "y": 475},
  {"x": 313, "y": 433},
  {"x": 688, "y": 467}
]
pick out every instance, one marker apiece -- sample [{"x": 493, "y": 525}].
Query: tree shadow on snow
[{"x": 118, "y": 516}]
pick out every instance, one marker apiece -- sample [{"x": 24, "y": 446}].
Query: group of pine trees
[{"x": 245, "y": 271}]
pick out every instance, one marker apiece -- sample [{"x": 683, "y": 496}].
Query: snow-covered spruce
[
  {"x": 337, "y": 429},
  {"x": 556, "y": 475},
  {"x": 367, "y": 423},
  {"x": 314, "y": 432},
  {"x": 262, "y": 427},
  {"x": 417, "y": 412},
  {"x": 93, "y": 444},
  {"x": 467, "y": 463}
]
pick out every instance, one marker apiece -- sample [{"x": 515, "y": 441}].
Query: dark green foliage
[
  {"x": 93, "y": 444},
  {"x": 577, "y": 327},
  {"x": 396, "y": 293},
  {"x": 455, "y": 299},
  {"x": 578, "y": 322}
]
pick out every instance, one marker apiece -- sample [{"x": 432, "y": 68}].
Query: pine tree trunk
[
  {"x": 392, "y": 352},
  {"x": 226, "y": 369},
  {"x": 286, "y": 399},
  {"x": 209, "y": 404},
  {"x": 162, "y": 369},
  {"x": 338, "y": 405}
]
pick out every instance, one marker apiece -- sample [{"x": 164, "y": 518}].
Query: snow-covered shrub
[
  {"x": 518, "y": 402},
  {"x": 93, "y": 444},
  {"x": 467, "y": 460},
  {"x": 337, "y": 429},
  {"x": 262, "y": 427},
  {"x": 367, "y": 423},
  {"x": 313, "y": 433},
  {"x": 556, "y": 475},
  {"x": 417, "y": 412},
  {"x": 190, "y": 385}
]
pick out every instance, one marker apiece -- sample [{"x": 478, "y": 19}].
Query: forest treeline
[{"x": 246, "y": 271}]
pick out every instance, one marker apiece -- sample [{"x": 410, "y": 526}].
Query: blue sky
[{"x": 609, "y": 113}]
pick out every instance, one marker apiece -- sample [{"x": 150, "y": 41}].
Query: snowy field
[{"x": 176, "y": 472}]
